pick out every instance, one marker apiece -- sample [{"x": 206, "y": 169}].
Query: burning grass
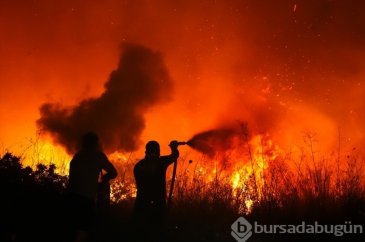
[
  {"x": 259, "y": 181},
  {"x": 264, "y": 177},
  {"x": 266, "y": 185}
]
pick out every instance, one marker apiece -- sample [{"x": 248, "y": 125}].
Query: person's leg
[
  {"x": 82, "y": 236},
  {"x": 82, "y": 215}
]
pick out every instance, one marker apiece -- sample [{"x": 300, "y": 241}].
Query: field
[{"x": 269, "y": 189}]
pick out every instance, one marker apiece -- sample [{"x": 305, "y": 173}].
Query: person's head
[
  {"x": 90, "y": 141},
  {"x": 152, "y": 148}
]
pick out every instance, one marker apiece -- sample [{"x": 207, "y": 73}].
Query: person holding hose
[{"x": 150, "y": 176}]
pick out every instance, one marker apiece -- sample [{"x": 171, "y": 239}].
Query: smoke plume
[{"x": 117, "y": 115}]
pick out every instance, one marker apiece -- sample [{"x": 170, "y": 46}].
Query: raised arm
[{"x": 169, "y": 159}]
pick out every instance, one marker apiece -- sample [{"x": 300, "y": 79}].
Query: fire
[
  {"x": 252, "y": 170},
  {"x": 119, "y": 156},
  {"x": 235, "y": 179},
  {"x": 42, "y": 151},
  {"x": 261, "y": 152},
  {"x": 122, "y": 191},
  {"x": 285, "y": 77}
]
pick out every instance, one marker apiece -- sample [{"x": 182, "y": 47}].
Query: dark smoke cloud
[{"x": 117, "y": 116}]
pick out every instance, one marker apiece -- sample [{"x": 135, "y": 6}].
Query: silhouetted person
[
  {"x": 150, "y": 205},
  {"x": 85, "y": 168}
]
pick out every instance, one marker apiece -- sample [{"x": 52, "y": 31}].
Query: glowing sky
[{"x": 283, "y": 66}]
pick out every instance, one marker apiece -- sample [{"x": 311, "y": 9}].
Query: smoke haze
[{"x": 283, "y": 66}]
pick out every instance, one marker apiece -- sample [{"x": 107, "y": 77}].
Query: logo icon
[{"x": 241, "y": 230}]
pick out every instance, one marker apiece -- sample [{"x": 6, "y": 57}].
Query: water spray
[{"x": 205, "y": 142}]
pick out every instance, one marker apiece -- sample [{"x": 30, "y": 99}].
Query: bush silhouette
[{"x": 31, "y": 200}]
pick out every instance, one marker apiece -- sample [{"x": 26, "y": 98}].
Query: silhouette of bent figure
[
  {"x": 150, "y": 176},
  {"x": 85, "y": 168}
]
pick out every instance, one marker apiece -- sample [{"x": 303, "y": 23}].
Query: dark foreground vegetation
[{"x": 32, "y": 205}]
